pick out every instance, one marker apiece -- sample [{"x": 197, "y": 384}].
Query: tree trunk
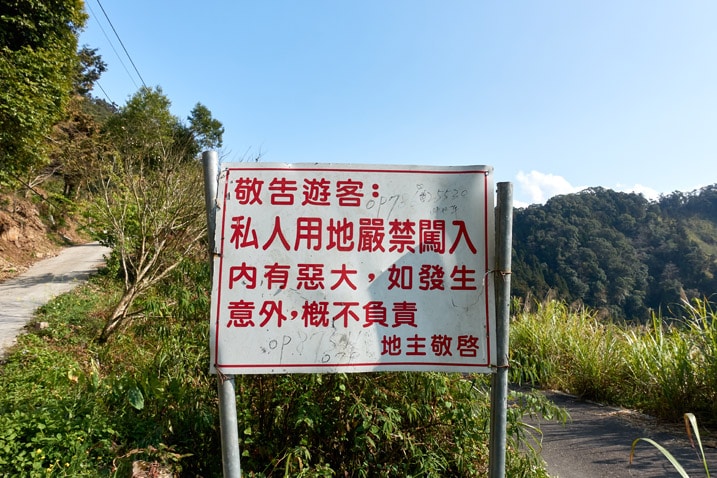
[{"x": 118, "y": 315}]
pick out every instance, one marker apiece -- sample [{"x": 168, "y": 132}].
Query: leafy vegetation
[
  {"x": 131, "y": 169},
  {"x": 38, "y": 64},
  {"x": 72, "y": 407},
  {"x": 144, "y": 203},
  {"x": 618, "y": 253}
]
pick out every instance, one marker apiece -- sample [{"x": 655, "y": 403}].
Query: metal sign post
[
  {"x": 225, "y": 383},
  {"x": 499, "y": 380}
]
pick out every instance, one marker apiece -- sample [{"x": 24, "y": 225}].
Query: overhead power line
[
  {"x": 112, "y": 45},
  {"x": 103, "y": 91},
  {"x": 121, "y": 43}
]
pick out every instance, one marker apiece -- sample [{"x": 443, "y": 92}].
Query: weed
[{"x": 690, "y": 426}]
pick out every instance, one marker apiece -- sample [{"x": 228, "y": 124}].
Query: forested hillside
[
  {"x": 64, "y": 151},
  {"x": 618, "y": 252}
]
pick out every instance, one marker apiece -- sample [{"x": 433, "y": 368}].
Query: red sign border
[{"x": 382, "y": 366}]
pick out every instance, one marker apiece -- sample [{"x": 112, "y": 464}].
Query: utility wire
[
  {"x": 121, "y": 43},
  {"x": 97, "y": 82},
  {"x": 112, "y": 45}
]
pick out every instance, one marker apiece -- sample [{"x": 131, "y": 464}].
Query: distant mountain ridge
[{"x": 617, "y": 252}]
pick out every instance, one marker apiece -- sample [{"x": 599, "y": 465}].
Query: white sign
[{"x": 349, "y": 268}]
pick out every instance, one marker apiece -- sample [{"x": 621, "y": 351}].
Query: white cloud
[
  {"x": 537, "y": 187},
  {"x": 653, "y": 194},
  {"x": 646, "y": 191}
]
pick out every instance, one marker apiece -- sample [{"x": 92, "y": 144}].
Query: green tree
[
  {"x": 153, "y": 218},
  {"x": 76, "y": 140},
  {"x": 38, "y": 64},
  {"x": 91, "y": 67},
  {"x": 76, "y": 146},
  {"x": 144, "y": 129},
  {"x": 618, "y": 252},
  {"x": 147, "y": 208},
  {"x": 207, "y": 130},
  {"x": 586, "y": 247}
]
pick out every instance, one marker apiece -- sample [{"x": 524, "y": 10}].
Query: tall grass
[{"x": 666, "y": 368}]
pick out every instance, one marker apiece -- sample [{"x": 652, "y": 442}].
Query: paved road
[
  {"x": 596, "y": 444},
  {"x": 20, "y": 296}
]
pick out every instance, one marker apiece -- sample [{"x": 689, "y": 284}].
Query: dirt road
[{"x": 20, "y": 296}]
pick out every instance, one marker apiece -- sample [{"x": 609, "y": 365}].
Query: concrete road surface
[
  {"x": 20, "y": 296},
  {"x": 596, "y": 444}
]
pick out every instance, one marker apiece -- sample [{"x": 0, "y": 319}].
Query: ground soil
[{"x": 27, "y": 234}]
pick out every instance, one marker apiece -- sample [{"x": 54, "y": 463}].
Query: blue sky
[{"x": 555, "y": 95}]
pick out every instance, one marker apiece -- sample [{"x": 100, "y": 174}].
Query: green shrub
[
  {"x": 47, "y": 425},
  {"x": 384, "y": 424}
]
